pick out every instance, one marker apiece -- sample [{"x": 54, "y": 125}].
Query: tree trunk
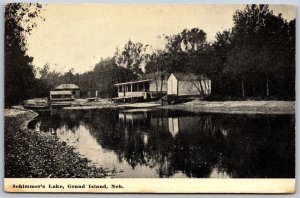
[
  {"x": 201, "y": 87},
  {"x": 161, "y": 83},
  {"x": 156, "y": 86},
  {"x": 267, "y": 85},
  {"x": 206, "y": 86},
  {"x": 243, "y": 90},
  {"x": 200, "y": 90}
]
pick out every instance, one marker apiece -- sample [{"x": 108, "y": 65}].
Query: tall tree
[
  {"x": 157, "y": 65},
  {"x": 19, "y": 72},
  {"x": 259, "y": 49},
  {"x": 131, "y": 57}
]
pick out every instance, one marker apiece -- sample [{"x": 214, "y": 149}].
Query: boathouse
[
  {"x": 61, "y": 96},
  {"x": 188, "y": 84},
  {"x": 150, "y": 85},
  {"x": 74, "y": 89}
]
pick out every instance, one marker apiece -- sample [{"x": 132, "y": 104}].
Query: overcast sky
[{"x": 79, "y": 35}]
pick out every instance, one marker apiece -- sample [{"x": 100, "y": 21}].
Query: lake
[{"x": 177, "y": 144}]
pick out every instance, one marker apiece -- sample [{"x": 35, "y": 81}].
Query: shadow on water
[{"x": 164, "y": 143}]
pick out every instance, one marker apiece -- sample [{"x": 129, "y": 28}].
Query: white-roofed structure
[{"x": 74, "y": 89}]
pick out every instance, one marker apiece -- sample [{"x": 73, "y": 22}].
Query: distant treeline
[{"x": 253, "y": 59}]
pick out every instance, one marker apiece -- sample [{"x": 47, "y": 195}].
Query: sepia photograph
[{"x": 149, "y": 98}]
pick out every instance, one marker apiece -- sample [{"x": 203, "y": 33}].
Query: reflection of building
[
  {"x": 139, "y": 120},
  {"x": 152, "y": 122},
  {"x": 145, "y": 137},
  {"x": 173, "y": 126},
  {"x": 130, "y": 116}
]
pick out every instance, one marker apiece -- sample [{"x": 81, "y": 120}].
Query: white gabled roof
[
  {"x": 66, "y": 86},
  {"x": 139, "y": 81},
  {"x": 188, "y": 76}
]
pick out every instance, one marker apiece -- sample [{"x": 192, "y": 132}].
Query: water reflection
[{"x": 165, "y": 143}]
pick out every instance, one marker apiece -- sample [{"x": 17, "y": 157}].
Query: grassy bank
[
  {"x": 262, "y": 107},
  {"x": 248, "y": 106},
  {"x": 30, "y": 153}
]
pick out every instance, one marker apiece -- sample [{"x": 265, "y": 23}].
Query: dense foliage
[
  {"x": 102, "y": 79},
  {"x": 19, "y": 72},
  {"x": 253, "y": 59}
]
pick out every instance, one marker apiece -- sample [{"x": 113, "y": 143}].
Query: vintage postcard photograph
[{"x": 149, "y": 98}]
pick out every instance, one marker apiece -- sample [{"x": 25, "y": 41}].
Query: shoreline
[
  {"x": 197, "y": 106},
  {"x": 33, "y": 154},
  {"x": 236, "y": 107}
]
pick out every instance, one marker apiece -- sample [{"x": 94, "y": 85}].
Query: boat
[{"x": 37, "y": 104}]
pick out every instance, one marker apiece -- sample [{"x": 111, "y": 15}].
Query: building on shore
[
  {"x": 188, "y": 84},
  {"x": 58, "y": 96},
  {"x": 61, "y": 98},
  {"x": 74, "y": 89},
  {"x": 149, "y": 86},
  {"x": 158, "y": 84}
]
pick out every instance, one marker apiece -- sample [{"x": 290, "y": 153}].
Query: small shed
[
  {"x": 188, "y": 84},
  {"x": 74, "y": 89}
]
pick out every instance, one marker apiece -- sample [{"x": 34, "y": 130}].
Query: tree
[
  {"x": 193, "y": 40},
  {"x": 157, "y": 65},
  {"x": 102, "y": 79},
  {"x": 19, "y": 73},
  {"x": 131, "y": 57},
  {"x": 259, "y": 50},
  {"x": 44, "y": 71},
  {"x": 218, "y": 55}
]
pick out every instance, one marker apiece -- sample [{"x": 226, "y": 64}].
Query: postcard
[{"x": 149, "y": 98}]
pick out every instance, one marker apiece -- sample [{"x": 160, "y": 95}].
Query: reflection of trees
[
  {"x": 259, "y": 146},
  {"x": 137, "y": 150},
  {"x": 59, "y": 119},
  {"x": 240, "y": 145},
  {"x": 198, "y": 145},
  {"x": 194, "y": 150}
]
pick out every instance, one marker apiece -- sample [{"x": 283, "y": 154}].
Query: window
[
  {"x": 134, "y": 87},
  {"x": 129, "y": 88},
  {"x": 147, "y": 86},
  {"x": 140, "y": 87}
]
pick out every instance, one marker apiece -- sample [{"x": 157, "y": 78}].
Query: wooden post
[
  {"x": 243, "y": 90},
  {"x": 268, "y": 92}
]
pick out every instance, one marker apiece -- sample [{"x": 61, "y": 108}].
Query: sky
[{"x": 78, "y": 35}]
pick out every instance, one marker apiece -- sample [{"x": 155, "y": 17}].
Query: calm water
[{"x": 164, "y": 143}]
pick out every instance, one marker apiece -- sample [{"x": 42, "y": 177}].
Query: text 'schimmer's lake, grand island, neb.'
[{"x": 165, "y": 143}]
